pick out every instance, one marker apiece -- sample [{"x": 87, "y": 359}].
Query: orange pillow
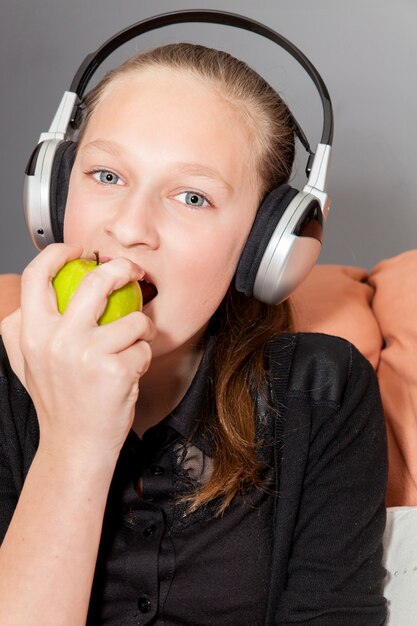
[
  {"x": 395, "y": 306},
  {"x": 336, "y": 300}
]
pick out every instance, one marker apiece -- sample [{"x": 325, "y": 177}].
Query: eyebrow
[
  {"x": 106, "y": 146},
  {"x": 204, "y": 171},
  {"x": 193, "y": 169}
]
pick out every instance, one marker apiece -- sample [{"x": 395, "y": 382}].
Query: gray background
[{"x": 366, "y": 51}]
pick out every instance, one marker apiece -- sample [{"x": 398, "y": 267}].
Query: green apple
[{"x": 121, "y": 302}]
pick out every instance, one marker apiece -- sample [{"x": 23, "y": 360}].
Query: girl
[{"x": 193, "y": 463}]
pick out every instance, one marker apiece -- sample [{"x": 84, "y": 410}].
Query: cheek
[
  {"x": 72, "y": 221},
  {"x": 79, "y": 223},
  {"x": 213, "y": 252},
  {"x": 78, "y": 229},
  {"x": 72, "y": 226},
  {"x": 206, "y": 265}
]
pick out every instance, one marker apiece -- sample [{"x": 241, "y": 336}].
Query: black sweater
[{"x": 330, "y": 467}]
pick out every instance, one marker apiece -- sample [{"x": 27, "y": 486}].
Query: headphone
[{"x": 286, "y": 237}]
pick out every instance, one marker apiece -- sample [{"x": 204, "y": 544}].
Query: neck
[{"x": 164, "y": 385}]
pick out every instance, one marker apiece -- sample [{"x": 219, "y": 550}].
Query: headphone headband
[{"x": 93, "y": 61}]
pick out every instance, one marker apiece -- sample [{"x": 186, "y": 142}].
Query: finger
[
  {"x": 136, "y": 359},
  {"x": 124, "y": 332},
  {"x": 37, "y": 293},
  {"x": 10, "y": 331},
  {"x": 89, "y": 301}
]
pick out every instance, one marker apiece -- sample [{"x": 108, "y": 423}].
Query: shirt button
[
  {"x": 150, "y": 530},
  {"x": 157, "y": 470},
  {"x": 144, "y": 604}
]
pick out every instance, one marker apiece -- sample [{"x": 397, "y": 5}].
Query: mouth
[{"x": 149, "y": 291}]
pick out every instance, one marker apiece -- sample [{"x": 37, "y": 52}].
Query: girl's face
[{"x": 164, "y": 177}]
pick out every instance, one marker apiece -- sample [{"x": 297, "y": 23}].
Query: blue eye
[
  {"x": 106, "y": 177},
  {"x": 193, "y": 199}
]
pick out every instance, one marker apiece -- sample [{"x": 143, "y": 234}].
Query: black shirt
[
  {"x": 310, "y": 554},
  {"x": 160, "y": 565}
]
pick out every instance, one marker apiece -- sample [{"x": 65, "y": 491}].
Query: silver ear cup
[
  {"x": 39, "y": 176},
  {"x": 292, "y": 250},
  {"x": 37, "y": 191}
]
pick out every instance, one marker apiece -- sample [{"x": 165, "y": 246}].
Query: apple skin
[{"x": 120, "y": 303}]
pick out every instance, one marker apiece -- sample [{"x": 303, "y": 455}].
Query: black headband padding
[
  {"x": 269, "y": 214},
  {"x": 61, "y": 170}
]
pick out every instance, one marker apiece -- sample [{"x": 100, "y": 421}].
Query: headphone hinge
[
  {"x": 320, "y": 168},
  {"x": 63, "y": 116},
  {"x": 317, "y": 180},
  {"x": 322, "y": 197}
]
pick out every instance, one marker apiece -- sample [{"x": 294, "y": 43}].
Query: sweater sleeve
[{"x": 335, "y": 572}]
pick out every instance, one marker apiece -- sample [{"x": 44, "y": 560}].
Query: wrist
[{"x": 79, "y": 464}]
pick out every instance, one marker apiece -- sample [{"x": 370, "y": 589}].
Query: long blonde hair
[{"x": 242, "y": 326}]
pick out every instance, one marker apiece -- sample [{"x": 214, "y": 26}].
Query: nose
[{"x": 134, "y": 222}]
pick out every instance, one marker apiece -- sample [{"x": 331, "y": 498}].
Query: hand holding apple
[
  {"x": 83, "y": 378},
  {"x": 121, "y": 302}
]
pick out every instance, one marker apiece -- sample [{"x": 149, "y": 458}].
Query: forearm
[
  {"x": 83, "y": 381},
  {"x": 48, "y": 555}
]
